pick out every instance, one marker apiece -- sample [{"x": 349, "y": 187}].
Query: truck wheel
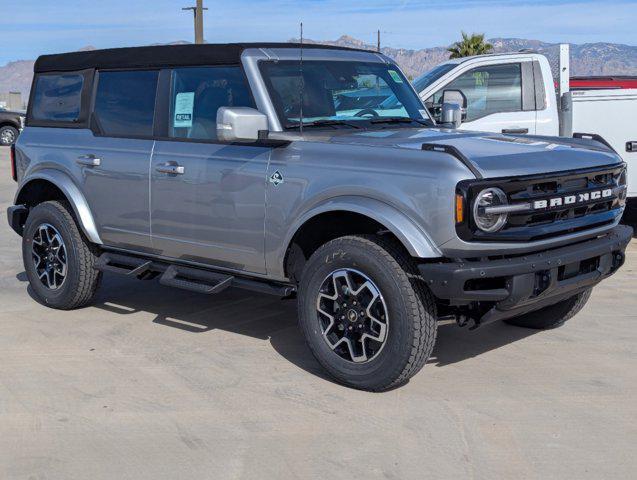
[
  {"x": 366, "y": 315},
  {"x": 58, "y": 259},
  {"x": 8, "y": 135},
  {"x": 552, "y": 316}
]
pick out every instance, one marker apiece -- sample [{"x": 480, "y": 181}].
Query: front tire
[
  {"x": 552, "y": 316},
  {"x": 366, "y": 315},
  {"x": 58, "y": 259}
]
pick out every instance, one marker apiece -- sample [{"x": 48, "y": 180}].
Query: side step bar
[
  {"x": 187, "y": 278},
  {"x": 195, "y": 280},
  {"x": 123, "y": 265}
]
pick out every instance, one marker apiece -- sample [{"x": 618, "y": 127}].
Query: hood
[
  {"x": 491, "y": 154},
  {"x": 13, "y": 112}
]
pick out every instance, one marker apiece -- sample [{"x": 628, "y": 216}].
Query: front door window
[
  {"x": 197, "y": 94},
  {"x": 489, "y": 89}
]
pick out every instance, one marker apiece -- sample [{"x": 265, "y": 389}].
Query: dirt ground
[{"x": 152, "y": 383}]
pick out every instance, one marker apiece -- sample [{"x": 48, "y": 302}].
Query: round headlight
[{"x": 489, "y": 222}]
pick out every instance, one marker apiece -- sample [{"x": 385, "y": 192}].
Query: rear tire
[
  {"x": 552, "y": 316},
  {"x": 58, "y": 259},
  {"x": 388, "y": 315}
]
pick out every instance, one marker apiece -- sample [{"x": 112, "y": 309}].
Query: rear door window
[
  {"x": 196, "y": 95},
  {"x": 125, "y": 103},
  {"x": 57, "y": 97}
]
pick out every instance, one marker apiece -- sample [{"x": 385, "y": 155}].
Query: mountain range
[{"x": 586, "y": 59}]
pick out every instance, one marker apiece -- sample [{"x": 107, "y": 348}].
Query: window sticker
[
  {"x": 395, "y": 77},
  {"x": 184, "y": 103}
]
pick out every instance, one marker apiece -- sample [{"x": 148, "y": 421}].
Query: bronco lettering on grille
[{"x": 573, "y": 199}]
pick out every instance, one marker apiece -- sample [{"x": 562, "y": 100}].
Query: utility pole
[
  {"x": 378, "y": 32},
  {"x": 198, "y": 15}
]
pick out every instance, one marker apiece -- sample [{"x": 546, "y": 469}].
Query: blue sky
[{"x": 32, "y": 27}]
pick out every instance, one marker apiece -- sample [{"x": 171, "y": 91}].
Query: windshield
[
  {"x": 432, "y": 75},
  {"x": 335, "y": 91}
]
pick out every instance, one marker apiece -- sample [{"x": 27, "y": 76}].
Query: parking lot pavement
[{"x": 151, "y": 382}]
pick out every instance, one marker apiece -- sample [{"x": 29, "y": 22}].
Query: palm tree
[{"x": 474, "y": 44}]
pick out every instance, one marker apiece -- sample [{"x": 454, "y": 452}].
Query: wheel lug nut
[
  {"x": 354, "y": 302},
  {"x": 350, "y": 327}
]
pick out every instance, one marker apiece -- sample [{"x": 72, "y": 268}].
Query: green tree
[{"x": 473, "y": 44}]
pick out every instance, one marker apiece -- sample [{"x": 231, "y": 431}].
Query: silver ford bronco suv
[{"x": 311, "y": 171}]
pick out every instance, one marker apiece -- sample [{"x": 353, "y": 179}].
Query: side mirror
[
  {"x": 240, "y": 124},
  {"x": 454, "y": 96},
  {"x": 451, "y": 115},
  {"x": 454, "y": 104}
]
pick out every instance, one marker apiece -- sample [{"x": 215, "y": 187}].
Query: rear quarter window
[{"x": 57, "y": 97}]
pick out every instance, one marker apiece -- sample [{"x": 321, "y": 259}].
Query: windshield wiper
[
  {"x": 399, "y": 120},
  {"x": 324, "y": 123}
]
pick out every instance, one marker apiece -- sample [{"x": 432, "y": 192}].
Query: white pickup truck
[{"x": 517, "y": 93}]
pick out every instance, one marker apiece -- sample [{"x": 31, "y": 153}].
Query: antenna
[{"x": 302, "y": 86}]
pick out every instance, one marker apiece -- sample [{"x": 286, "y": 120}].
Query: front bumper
[{"x": 519, "y": 284}]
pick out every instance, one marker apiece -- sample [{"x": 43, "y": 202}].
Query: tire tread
[
  {"x": 418, "y": 299},
  {"x": 88, "y": 277}
]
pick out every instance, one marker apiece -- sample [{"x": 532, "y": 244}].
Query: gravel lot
[{"x": 151, "y": 382}]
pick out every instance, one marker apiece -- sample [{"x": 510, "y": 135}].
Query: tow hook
[
  {"x": 462, "y": 320},
  {"x": 618, "y": 260}
]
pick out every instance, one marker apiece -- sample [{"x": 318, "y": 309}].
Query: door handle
[
  {"x": 515, "y": 131},
  {"x": 171, "y": 169},
  {"x": 89, "y": 160}
]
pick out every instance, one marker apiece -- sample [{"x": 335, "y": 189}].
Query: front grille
[{"x": 541, "y": 223}]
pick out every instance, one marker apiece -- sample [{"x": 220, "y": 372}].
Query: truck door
[
  {"x": 114, "y": 160},
  {"x": 500, "y": 97},
  {"x": 207, "y": 197}
]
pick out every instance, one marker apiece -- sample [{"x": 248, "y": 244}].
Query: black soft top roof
[{"x": 159, "y": 56}]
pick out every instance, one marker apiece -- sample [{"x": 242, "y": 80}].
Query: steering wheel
[{"x": 367, "y": 112}]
